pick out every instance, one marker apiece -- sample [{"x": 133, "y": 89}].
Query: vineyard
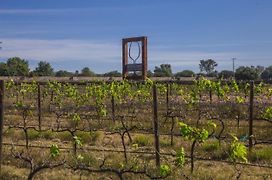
[{"x": 199, "y": 129}]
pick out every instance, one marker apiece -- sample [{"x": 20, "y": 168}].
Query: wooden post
[
  {"x": 2, "y": 89},
  {"x": 144, "y": 58},
  {"x": 251, "y": 115},
  {"x": 125, "y": 58},
  {"x": 39, "y": 106},
  {"x": 172, "y": 130},
  {"x": 167, "y": 98},
  {"x": 156, "y": 125},
  {"x": 170, "y": 90},
  {"x": 113, "y": 108}
]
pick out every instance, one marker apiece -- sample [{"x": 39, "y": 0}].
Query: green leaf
[
  {"x": 165, "y": 170},
  {"x": 54, "y": 150},
  {"x": 212, "y": 124},
  {"x": 78, "y": 140},
  {"x": 76, "y": 117},
  {"x": 267, "y": 113},
  {"x": 19, "y": 104},
  {"x": 238, "y": 150},
  {"x": 180, "y": 157},
  {"x": 240, "y": 100},
  {"x": 80, "y": 157}
]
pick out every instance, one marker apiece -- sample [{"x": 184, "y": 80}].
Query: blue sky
[{"x": 73, "y": 34}]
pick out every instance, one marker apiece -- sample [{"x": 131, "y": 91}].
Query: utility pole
[
  {"x": 0, "y": 44},
  {"x": 233, "y": 67}
]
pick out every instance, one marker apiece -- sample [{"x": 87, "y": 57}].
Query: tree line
[
  {"x": 16, "y": 66},
  {"x": 207, "y": 69}
]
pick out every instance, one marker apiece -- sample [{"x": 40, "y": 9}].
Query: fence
[{"x": 169, "y": 103}]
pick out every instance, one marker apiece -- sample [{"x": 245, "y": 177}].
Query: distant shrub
[
  {"x": 246, "y": 73},
  {"x": 226, "y": 74},
  {"x": 185, "y": 73}
]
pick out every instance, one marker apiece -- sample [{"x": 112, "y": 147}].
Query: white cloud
[
  {"x": 47, "y": 11},
  {"x": 61, "y": 10},
  {"x": 59, "y": 50}
]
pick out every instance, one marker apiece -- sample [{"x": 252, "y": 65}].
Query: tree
[
  {"x": 213, "y": 74},
  {"x": 62, "y": 73},
  {"x": 207, "y": 65},
  {"x": 17, "y": 67},
  {"x": 185, "y": 73},
  {"x": 226, "y": 74},
  {"x": 259, "y": 70},
  {"x": 44, "y": 69},
  {"x": 267, "y": 73},
  {"x": 113, "y": 74},
  {"x": 163, "y": 71},
  {"x": 150, "y": 73},
  {"x": 246, "y": 73},
  {"x": 3, "y": 69},
  {"x": 87, "y": 72}
]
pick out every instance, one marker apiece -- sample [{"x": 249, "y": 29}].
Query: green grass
[
  {"x": 141, "y": 140},
  {"x": 33, "y": 134},
  {"x": 9, "y": 132},
  {"x": 89, "y": 137},
  {"x": 264, "y": 154},
  {"x": 64, "y": 136},
  {"x": 166, "y": 142},
  {"x": 88, "y": 160},
  {"x": 210, "y": 146},
  {"x": 47, "y": 135},
  {"x": 215, "y": 150}
]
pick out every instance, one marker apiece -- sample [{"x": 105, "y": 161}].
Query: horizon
[{"x": 71, "y": 35}]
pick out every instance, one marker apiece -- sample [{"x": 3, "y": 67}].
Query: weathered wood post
[
  {"x": 156, "y": 125},
  {"x": 2, "y": 89},
  {"x": 251, "y": 96},
  {"x": 39, "y": 107},
  {"x": 167, "y": 98}
]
